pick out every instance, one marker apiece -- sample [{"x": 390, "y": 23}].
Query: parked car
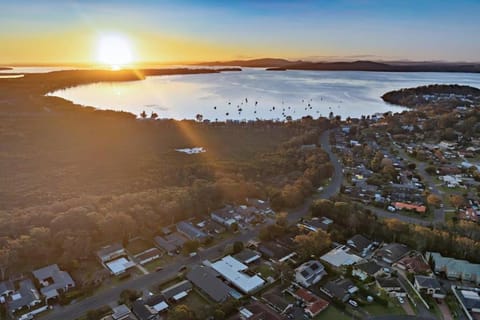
[
  {"x": 353, "y": 303},
  {"x": 400, "y": 299},
  {"x": 182, "y": 268}
]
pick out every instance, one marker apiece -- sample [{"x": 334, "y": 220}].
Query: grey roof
[
  {"x": 107, "y": 250},
  {"x": 274, "y": 250},
  {"x": 358, "y": 242},
  {"x": 393, "y": 251},
  {"x": 61, "y": 279},
  {"x": 119, "y": 312},
  {"x": 6, "y": 286},
  {"x": 316, "y": 223},
  {"x": 190, "y": 230},
  {"x": 370, "y": 267},
  {"x": 170, "y": 242},
  {"x": 451, "y": 265},
  {"x": 389, "y": 283},
  {"x": 206, "y": 279},
  {"x": 339, "y": 288},
  {"x": 176, "y": 289},
  {"x": 247, "y": 256},
  {"x": 141, "y": 311},
  {"x": 28, "y": 294},
  {"x": 471, "y": 301},
  {"x": 427, "y": 282}
]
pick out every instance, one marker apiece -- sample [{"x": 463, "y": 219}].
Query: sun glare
[{"x": 114, "y": 50}]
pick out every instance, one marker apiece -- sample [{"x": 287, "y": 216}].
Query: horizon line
[{"x": 191, "y": 62}]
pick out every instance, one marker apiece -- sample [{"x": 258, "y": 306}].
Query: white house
[{"x": 309, "y": 273}]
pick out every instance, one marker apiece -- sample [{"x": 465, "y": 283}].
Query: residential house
[
  {"x": 257, "y": 311},
  {"x": 191, "y": 232},
  {"x": 119, "y": 266},
  {"x": 53, "y": 281},
  {"x": 207, "y": 280},
  {"x": 340, "y": 256},
  {"x": 367, "y": 269},
  {"x": 111, "y": 252},
  {"x": 247, "y": 256},
  {"x": 147, "y": 256},
  {"x": 414, "y": 263},
  {"x": 275, "y": 251},
  {"x": 392, "y": 252},
  {"x": 6, "y": 288},
  {"x": 455, "y": 269},
  {"x": 430, "y": 286},
  {"x": 309, "y": 273},
  {"x": 391, "y": 286},
  {"x": 313, "y": 304},
  {"x": 26, "y": 296},
  {"x": 234, "y": 272},
  {"x": 213, "y": 228},
  {"x": 410, "y": 207},
  {"x": 224, "y": 216},
  {"x": 277, "y": 301},
  {"x": 121, "y": 312},
  {"x": 170, "y": 243},
  {"x": 341, "y": 289},
  {"x": 360, "y": 244},
  {"x": 315, "y": 224},
  {"x": 469, "y": 299},
  {"x": 143, "y": 311},
  {"x": 177, "y": 291}
]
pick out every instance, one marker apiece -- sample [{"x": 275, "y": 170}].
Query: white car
[
  {"x": 401, "y": 300},
  {"x": 353, "y": 303}
]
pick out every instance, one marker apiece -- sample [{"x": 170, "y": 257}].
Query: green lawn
[
  {"x": 377, "y": 309},
  {"x": 160, "y": 262},
  {"x": 332, "y": 313},
  {"x": 200, "y": 305},
  {"x": 265, "y": 271}
]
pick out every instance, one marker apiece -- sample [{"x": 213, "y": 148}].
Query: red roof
[
  {"x": 409, "y": 206},
  {"x": 315, "y": 304},
  {"x": 317, "y": 307},
  {"x": 306, "y": 295}
]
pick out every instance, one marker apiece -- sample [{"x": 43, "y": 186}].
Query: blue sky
[{"x": 215, "y": 30}]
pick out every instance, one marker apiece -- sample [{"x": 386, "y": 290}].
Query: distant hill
[
  {"x": 361, "y": 65},
  {"x": 254, "y": 63}
]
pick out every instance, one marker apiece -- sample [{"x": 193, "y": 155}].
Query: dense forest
[{"x": 74, "y": 178}]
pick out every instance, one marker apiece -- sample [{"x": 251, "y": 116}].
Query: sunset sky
[{"x": 67, "y": 31}]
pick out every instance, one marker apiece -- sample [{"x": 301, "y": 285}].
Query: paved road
[
  {"x": 390, "y": 215},
  {"x": 439, "y": 213},
  {"x": 110, "y": 295}
]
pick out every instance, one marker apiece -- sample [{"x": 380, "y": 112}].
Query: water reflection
[{"x": 255, "y": 93}]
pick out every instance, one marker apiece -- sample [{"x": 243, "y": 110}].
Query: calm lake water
[{"x": 256, "y": 93}]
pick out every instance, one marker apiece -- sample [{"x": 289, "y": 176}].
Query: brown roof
[{"x": 415, "y": 264}]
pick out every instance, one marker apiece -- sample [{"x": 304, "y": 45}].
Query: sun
[{"x": 114, "y": 50}]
